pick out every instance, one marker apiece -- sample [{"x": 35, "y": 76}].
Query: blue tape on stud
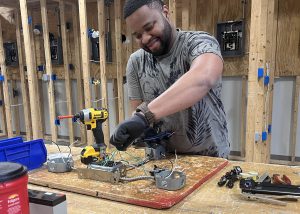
[
  {"x": 1, "y": 102},
  {"x": 53, "y": 77},
  {"x": 260, "y": 73},
  {"x": 1, "y": 78},
  {"x": 57, "y": 122},
  {"x": 264, "y": 136},
  {"x": 89, "y": 32},
  {"x": 29, "y": 20},
  {"x": 266, "y": 80},
  {"x": 41, "y": 67},
  {"x": 269, "y": 128}
]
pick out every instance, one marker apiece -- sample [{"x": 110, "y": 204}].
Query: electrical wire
[
  {"x": 140, "y": 159},
  {"x": 173, "y": 168},
  {"x": 136, "y": 178}
]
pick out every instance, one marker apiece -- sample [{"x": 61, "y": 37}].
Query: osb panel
[
  {"x": 288, "y": 39},
  {"x": 209, "y": 13},
  {"x": 144, "y": 193}
]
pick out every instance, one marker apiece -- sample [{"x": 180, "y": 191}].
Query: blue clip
[
  {"x": 89, "y": 32},
  {"x": 41, "y": 67},
  {"x": 269, "y": 128},
  {"x": 1, "y": 78},
  {"x": 266, "y": 80},
  {"x": 260, "y": 73},
  {"x": 53, "y": 77},
  {"x": 264, "y": 136},
  {"x": 92, "y": 80},
  {"x": 29, "y": 20},
  {"x": 57, "y": 122},
  {"x": 1, "y": 102}
]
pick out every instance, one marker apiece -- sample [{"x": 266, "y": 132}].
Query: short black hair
[{"x": 131, "y": 6}]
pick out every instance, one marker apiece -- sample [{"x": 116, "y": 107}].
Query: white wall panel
[
  {"x": 231, "y": 97},
  {"x": 282, "y": 116}
]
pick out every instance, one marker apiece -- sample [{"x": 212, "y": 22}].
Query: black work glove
[{"x": 127, "y": 131}]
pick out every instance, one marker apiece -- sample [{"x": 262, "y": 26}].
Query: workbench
[{"x": 208, "y": 198}]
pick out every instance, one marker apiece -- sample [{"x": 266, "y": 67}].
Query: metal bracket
[
  {"x": 170, "y": 180},
  {"x": 157, "y": 153},
  {"x": 97, "y": 172}
]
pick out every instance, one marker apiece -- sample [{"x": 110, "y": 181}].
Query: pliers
[{"x": 283, "y": 180}]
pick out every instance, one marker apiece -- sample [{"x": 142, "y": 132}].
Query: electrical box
[
  {"x": 56, "y": 49},
  {"x": 11, "y": 53},
  {"x": 95, "y": 48},
  {"x": 230, "y": 36}
]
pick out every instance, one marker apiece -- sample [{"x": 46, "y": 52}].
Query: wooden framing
[
  {"x": 35, "y": 46},
  {"x": 243, "y": 113},
  {"x": 117, "y": 8},
  {"x": 2, "y": 113},
  {"x": 172, "y": 10},
  {"x": 66, "y": 67},
  {"x": 49, "y": 70},
  {"x": 295, "y": 120},
  {"x": 15, "y": 108},
  {"x": 78, "y": 69},
  {"x": 85, "y": 57},
  {"x": 24, "y": 93},
  {"x": 271, "y": 56},
  {"x": 193, "y": 15},
  {"x": 186, "y": 15},
  {"x": 7, "y": 102},
  {"x": 30, "y": 71},
  {"x": 262, "y": 13},
  {"x": 102, "y": 56}
]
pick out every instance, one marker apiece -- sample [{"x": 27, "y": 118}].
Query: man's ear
[{"x": 166, "y": 11}]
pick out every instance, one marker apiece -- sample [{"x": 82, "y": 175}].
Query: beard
[{"x": 165, "y": 40}]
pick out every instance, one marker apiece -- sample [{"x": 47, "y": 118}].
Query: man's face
[{"x": 151, "y": 29}]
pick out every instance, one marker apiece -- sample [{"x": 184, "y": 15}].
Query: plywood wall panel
[{"x": 288, "y": 39}]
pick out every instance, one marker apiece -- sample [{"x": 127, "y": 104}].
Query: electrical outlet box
[
  {"x": 230, "y": 36},
  {"x": 257, "y": 136},
  {"x": 95, "y": 48},
  {"x": 56, "y": 49},
  {"x": 11, "y": 53}
]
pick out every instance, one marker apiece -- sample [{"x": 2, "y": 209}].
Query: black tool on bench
[
  {"x": 264, "y": 191},
  {"x": 250, "y": 186},
  {"x": 230, "y": 177}
]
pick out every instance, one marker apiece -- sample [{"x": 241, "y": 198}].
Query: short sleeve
[
  {"x": 200, "y": 43},
  {"x": 134, "y": 87}
]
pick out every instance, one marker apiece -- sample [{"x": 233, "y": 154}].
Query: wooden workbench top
[{"x": 209, "y": 198}]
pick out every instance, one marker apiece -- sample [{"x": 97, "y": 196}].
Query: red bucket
[{"x": 13, "y": 188}]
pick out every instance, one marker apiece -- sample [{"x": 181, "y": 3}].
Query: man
[{"x": 175, "y": 78}]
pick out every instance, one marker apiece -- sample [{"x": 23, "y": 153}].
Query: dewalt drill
[{"x": 93, "y": 119}]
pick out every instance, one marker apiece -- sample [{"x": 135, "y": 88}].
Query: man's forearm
[{"x": 178, "y": 97}]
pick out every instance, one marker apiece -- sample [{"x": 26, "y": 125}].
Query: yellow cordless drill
[{"x": 93, "y": 119}]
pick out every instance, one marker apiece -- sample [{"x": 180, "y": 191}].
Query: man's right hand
[{"x": 127, "y": 131}]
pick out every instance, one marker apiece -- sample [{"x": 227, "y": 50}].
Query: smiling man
[{"x": 174, "y": 79}]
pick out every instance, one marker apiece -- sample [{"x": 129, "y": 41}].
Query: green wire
[{"x": 139, "y": 159}]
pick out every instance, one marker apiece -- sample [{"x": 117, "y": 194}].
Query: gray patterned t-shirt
[{"x": 200, "y": 129}]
